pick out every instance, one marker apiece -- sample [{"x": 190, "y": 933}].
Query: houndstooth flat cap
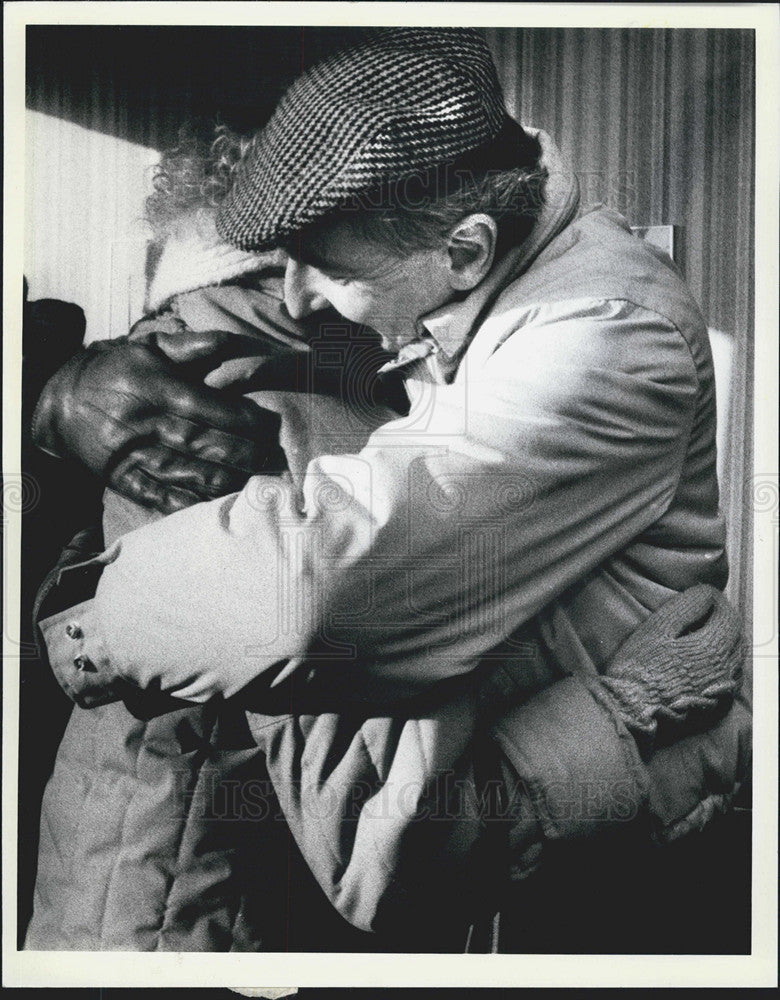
[{"x": 398, "y": 102}]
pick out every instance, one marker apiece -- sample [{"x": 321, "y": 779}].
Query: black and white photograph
[{"x": 390, "y": 507}]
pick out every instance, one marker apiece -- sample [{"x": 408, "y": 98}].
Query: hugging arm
[{"x": 378, "y": 582}]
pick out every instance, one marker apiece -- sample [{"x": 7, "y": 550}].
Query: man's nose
[{"x": 301, "y": 294}]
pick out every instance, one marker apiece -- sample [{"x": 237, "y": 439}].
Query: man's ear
[{"x": 471, "y": 247}]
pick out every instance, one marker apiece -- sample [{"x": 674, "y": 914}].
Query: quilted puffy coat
[{"x": 391, "y": 807}]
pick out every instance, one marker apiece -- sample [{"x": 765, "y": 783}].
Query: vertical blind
[{"x": 85, "y": 237}]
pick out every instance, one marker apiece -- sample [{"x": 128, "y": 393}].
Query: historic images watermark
[{"x": 452, "y": 798}]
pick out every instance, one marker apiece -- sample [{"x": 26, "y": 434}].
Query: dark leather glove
[
  {"x": 348, "y": 370},
  {"x": 137, "y": 414},
  {"x": 684, "y": 663}
]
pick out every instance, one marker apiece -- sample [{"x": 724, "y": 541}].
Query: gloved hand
[
  {"x": 685, "y": 661},
  {"x": 346, "y": 368},
  {"x": 579, "y": 757},
  {"x": 137, "y": 414},
  {"x": 354, "y": 379}
]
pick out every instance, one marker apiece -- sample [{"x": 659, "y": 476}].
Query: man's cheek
[{"x": 352, "y": 308}]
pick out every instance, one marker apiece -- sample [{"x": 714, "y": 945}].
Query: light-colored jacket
[{"x": 436, "y": 608}]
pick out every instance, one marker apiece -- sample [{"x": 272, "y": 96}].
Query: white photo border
[{"x": 88, "y": 969}]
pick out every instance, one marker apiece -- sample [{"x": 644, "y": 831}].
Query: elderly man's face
[{"x": 365, "y": 284}]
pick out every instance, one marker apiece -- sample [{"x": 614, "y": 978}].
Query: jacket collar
[{"x": 446, "y": 332}]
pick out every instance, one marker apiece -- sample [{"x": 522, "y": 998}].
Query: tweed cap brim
[{"x": 401, "y": 102}]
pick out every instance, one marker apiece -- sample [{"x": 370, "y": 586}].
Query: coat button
[{"x": 73, "y": 630}]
